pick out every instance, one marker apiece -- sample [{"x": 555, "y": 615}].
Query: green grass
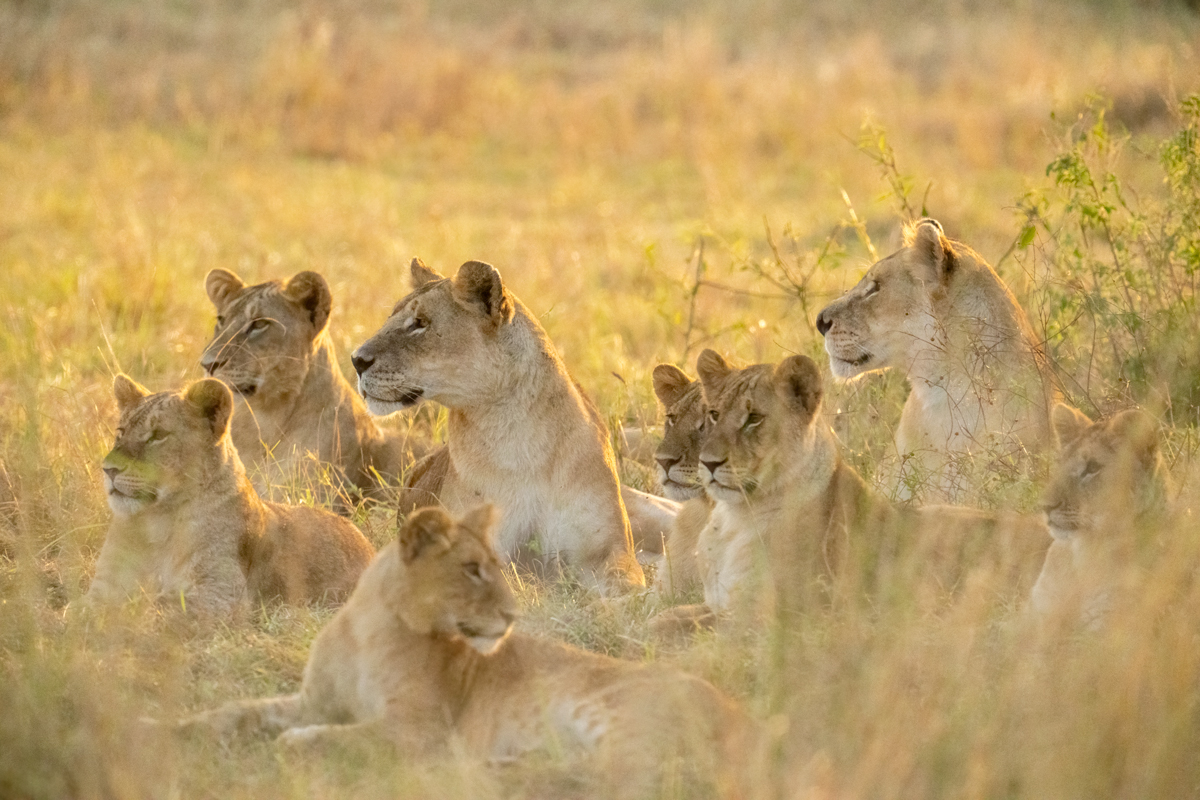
[{"x": 587, "y": 150}]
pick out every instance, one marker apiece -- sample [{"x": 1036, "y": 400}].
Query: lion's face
[
  {"x": 440, "y": 342},
  {"x": 264, "y": 339},
  {"x": 164, "y": 443},
  {"x": 454, "y": 583},
  {"x": 678, "y": 455},
  {"x": 889, "y": 314},
  {"x": 751, "y": 413},
  {"x": 1106, "y": 473}
]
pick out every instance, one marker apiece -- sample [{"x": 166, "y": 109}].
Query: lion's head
[
  {"x": 166, "y": 443},
  {"x": 265, "y": 337},
  {"x": 454, "y": 584},
  {"x": 1108, "y": 476},
  {"x": 678, "y": 455},
  {"x": 756, "y": 416},
  {"x": 439, "y": 341},
  {"x": 882, "y": 321}
]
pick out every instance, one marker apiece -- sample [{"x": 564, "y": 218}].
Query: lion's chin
[
  {"x": 680, "y": 492},
  {"x": 486, "y": 645},
  {"x": 847, "y": 369},
  {"x": 724, "y": 494},
  {"x": 125, "y": 506},
  {"x": 381, "y": 408}
]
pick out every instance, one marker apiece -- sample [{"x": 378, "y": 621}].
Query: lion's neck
[{"x": 521, "y": 399}]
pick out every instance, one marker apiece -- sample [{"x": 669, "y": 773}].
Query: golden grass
[{"x": 586, "y": 150}]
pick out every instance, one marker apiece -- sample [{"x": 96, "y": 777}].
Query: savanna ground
[{"x": 650, "y": 178}]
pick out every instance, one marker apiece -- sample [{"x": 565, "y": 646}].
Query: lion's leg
[{"x": 264, "y": 717}]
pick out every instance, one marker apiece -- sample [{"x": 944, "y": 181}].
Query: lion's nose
[
  {"x": 667, "y": 463},
  {"x": 211, "y": 364},
  {"x": 1049, "y": 507},
  {"x": 361, "y": 363},
  {"x": 824, "y": 323},
  {"x": 111, "y": 472},
  {"x": 713, "y": 466}
]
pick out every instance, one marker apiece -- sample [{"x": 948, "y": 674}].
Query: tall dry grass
[{"x": 651, "y": 178}]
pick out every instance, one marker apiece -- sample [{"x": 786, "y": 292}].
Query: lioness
[
  {"x": 424, "y": 652},
  {"x": 678, "y": 460},
  {"x": 272, "y": 347},
  {"x": 980, "y": 382},
  {"x": 1107, "y": 499},
  {"x": 520, "y": 433},
  {"x": 790, "y": 515},
  {"x": 189, "y": 529}
]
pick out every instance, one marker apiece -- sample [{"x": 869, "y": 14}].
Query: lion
[
  {"x": 188, "y": 528},
  {"x": 1107, "y": 500},
  {"x": 678, "y": 461},
  {"x": 424, "y": 654},
  {"x": 980, "y": 382},
  {"x": 272, "y": 347},
  {"x": 520, "y": 433},
  {"x": 790, "y": 516}
]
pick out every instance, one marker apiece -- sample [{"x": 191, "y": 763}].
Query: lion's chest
[{"x": 730, "y": 555}]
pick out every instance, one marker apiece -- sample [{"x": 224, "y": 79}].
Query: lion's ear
[
  {"x": 422, "y": 274},
  {"x": 480, "y": 521},
  {"x": 798, "y": 382},
  {"x": 670, "y": 383},
  {"x": 428, "y": 530},
  {"x": 713, "y": 370},
  {"x": 128, "y": 392},
  {"x": 932, "y": 249},
  {"x": 1137, "y": 429},
  {"x": 222, "y": 285},
  {"x": 213, "y": 401},
  {"x": 478, "y": 285},
  {"x": 310, "y": 291},
  {"x": 1068, "y": 423}
]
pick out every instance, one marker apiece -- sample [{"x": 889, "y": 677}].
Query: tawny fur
[
  {"x": 188, "y": 528},
  {"x": 980, "y": 386},
  {"x": 1106, "y": 506},
  {"x": 678, "y": 461},
  {"x": 423, "y": 654},
  {"x": 790, "y": 516},
  {"x": 520, "y": 433},
  {"x": 297, "y": 412}
]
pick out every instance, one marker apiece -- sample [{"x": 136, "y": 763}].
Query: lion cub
[
  {"x": 791, "y": 518},
  {"x": 272, "y": 347},
  {"x": 424, "y": 653},
  {"x": 520, "y": 434},
  {"x": 189, "y": 529},
  {"x": 1108, "y": 498},
  {"x": 678, "y": 461}
]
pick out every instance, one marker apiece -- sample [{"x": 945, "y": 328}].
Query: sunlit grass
[{"x": 596, "y": 154}]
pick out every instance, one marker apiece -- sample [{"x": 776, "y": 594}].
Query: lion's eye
[
  {"x": 753, "y": 420},
  {"x": 471, "y": 570},
  {"x": 258, "y": 326},
  {"x": 872, "y": 288},
  {"x": 1090, "y": 468},
  {"x": 157, "y": 435},
  {"x": 220, "y": 320},
  {"x": 416, "y": 325},
  {"x": 714, "y": 415},
  {"x": 671, "y": 420}
]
